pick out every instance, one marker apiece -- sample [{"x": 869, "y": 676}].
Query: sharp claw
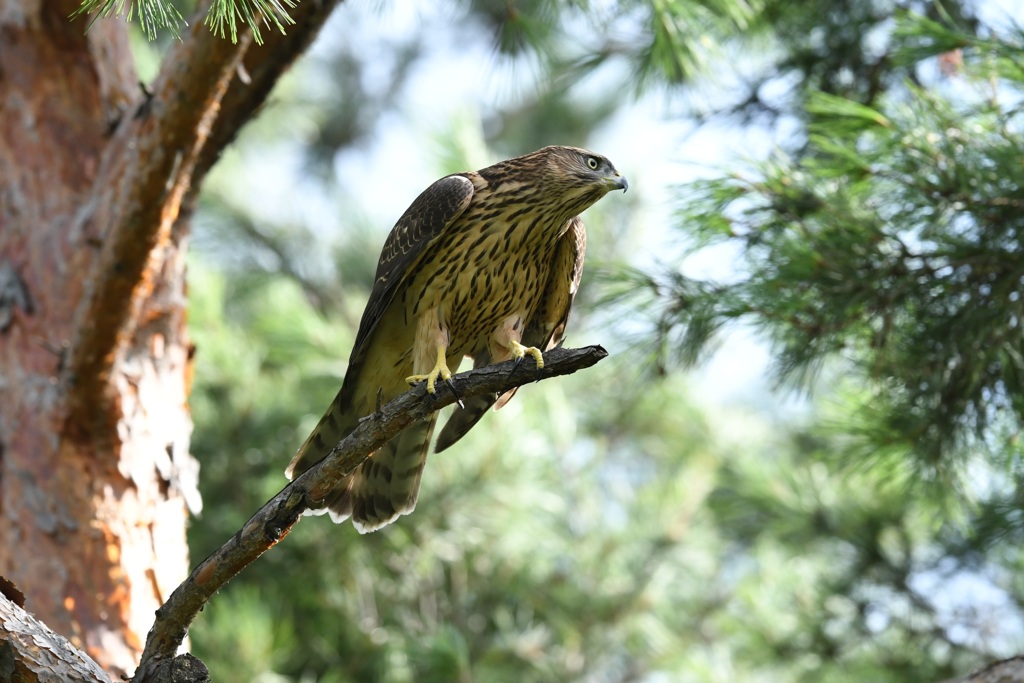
[
  {"x": 451, "y": 387},
  {"x": 519, "y": 361},
  {"x": 377, "y": 412}
]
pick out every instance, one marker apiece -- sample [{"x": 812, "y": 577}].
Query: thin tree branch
[
  {"x": 275, "y": 519},
  {"x": 261, "y": 68},
  {"x": 145, "y": 172},
  {"x": 1006, "y": 671}
]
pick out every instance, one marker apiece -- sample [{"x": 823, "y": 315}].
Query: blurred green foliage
[
  {"x": 607, "y": 526},
  {"x": 598, "y": 528},
  {"x": 891, "y": 244}
]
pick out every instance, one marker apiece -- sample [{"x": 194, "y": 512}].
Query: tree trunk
[
  {"x": 89, "y": 496},
  {"x": 96, "y": 180}
]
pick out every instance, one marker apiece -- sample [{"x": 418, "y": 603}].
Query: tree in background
[{"x": 881, "y": 258}]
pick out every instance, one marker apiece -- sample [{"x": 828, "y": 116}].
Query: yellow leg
[
  {"x": 440, "y": 370},
  {"x": 519, "y": 352}
]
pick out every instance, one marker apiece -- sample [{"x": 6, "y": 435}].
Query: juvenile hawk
[{"x": 482, "y": 264}]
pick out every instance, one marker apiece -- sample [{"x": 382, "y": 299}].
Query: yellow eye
[{"x": 592, "y": 163}]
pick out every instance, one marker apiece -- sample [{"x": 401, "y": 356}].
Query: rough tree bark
[
  {"x": 85, "y": 503},
  {"x": 96, "y": 180}
]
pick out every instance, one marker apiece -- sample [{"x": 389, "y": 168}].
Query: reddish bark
[
  {"x": 87, "y": 503},
  {"x": 95, "y": 177}
]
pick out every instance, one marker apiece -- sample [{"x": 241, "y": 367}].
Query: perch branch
[{"x": 274, "y": 520}]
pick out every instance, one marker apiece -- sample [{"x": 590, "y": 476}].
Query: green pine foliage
[
  {"x": 890, "y": 244},
  {"x": 225, "y": 17},
  {"x": 152, "y": 15}
]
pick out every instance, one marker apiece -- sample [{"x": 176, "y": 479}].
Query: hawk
[{"x": 483, "y": 264}]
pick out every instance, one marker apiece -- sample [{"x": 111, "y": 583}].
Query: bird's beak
[{"x": 617, "y": 182}]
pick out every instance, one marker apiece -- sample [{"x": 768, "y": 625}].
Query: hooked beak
[{"x": 618, "y": 182}]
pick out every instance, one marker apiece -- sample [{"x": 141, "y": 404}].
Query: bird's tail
[
  {"x": 383, "y": 487},
  {"x": 386, "y": 485},
  {"x": 463, "y": 419},
  {"x": 335, "y": 425}
]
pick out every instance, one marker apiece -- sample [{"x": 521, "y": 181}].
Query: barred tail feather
[
  {"x": 464, "y": 419},
  {"x": 335, "y": 425},
  {"x": 386, "y": 485}
]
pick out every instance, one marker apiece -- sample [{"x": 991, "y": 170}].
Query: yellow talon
[
  {"x": 519, "y": 352},
  {"x": 440, "y": 370}
]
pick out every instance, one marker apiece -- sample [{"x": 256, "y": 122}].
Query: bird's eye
[{"x": 592, "y": 163}]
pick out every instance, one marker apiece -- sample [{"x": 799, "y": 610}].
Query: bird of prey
[{"x": 483, "y": 264}]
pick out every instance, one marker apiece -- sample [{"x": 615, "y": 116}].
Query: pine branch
[
  {"x": 274, "y": 520},
  {"x": 223, "y": 17}
]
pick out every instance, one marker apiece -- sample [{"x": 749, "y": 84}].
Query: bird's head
[
  {"x": 560, "y": 181},
  {"x": 584, "y": 169}
]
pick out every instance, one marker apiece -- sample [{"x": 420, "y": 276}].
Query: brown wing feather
[
  {"x": 421, "y": 224},
  {"x": 419, "y": 227},
  {"x": 545, "y": 329}
]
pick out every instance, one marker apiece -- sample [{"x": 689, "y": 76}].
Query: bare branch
[
  {"x": 275, "y": 519},
  {"x": 1006, "y": 671}
]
